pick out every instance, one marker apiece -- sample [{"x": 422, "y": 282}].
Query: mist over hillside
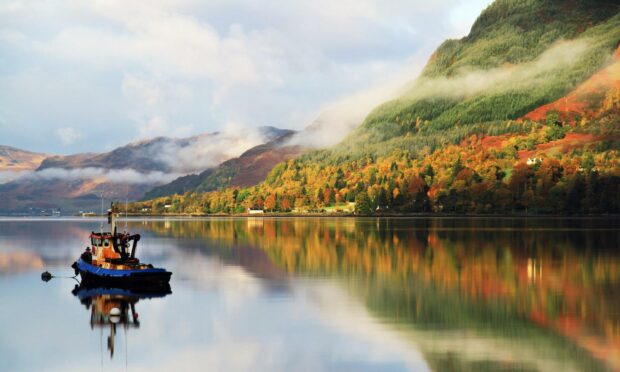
[
  {"x": 459, "y": 139},
  {"x": 31, "y": 181}
]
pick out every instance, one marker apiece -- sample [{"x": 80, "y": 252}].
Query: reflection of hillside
[
  {"x": 13, "y": 262},
  {"x": 55, "y": 242},
  {"x": 507, "y": 277},
  {"x": 48, "y": 230}
]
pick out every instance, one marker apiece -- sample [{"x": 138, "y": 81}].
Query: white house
[{"x": 532, "y": 161}]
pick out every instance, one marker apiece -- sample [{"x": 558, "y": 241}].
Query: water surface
[{"x": 322, "y": 294}]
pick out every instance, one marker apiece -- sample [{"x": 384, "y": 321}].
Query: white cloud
[
  {"x": 210, "y": 150},
  {"x": 121, "y": 68},
  {"x": 68, "y": 135},
  {"x": 120, "y": 176},
  {"x": 141, "y": 90},
  {"x": 157, "y": 126},
  {"x": 335, "y": 120}
]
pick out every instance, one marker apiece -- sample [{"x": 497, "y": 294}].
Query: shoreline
[
  {"x": 322, "y": 215},
  {"x": 351, "y": 215}
]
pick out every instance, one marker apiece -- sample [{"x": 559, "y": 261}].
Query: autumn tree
[
  {"x": 416, "y": 194},
  {"x": 270, "y": 202}
]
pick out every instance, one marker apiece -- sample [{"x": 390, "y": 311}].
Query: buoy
[
  {"x": 46, "y": 276},
  {"x": 115, "y": 311}
]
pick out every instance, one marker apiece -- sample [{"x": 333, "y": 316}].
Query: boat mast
[
  {"x": 101, "y": 222},
  {"x": 112, "y": 219},
  {"x": 126, "y": 199}
]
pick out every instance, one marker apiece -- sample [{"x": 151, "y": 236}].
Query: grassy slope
[{"x": 507, "y": 34}]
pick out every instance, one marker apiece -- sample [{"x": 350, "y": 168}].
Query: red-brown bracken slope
[{"x": 584, "y": 100}]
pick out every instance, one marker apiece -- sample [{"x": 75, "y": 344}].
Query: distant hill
[
  {"x": 248, "y": 169},
  {"x": 252, "y": 166},
  {"x": 138, "y": 156},
  {"x": 70, "y": 196},
  {"x": 148, "y": 155},
  {"x": 14, "y": 159},
  {"x": 75, "y": 182}
]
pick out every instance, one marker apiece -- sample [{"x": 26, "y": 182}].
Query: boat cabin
[{"x": 115, "y": 249}]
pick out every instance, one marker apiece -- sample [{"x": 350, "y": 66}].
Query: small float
[{"x": 110, "y": 259}]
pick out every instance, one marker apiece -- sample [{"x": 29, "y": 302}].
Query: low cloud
[
  {"x": 209, "y": 150},
  {"x": 8, "y": 176},
  {"x": 467, "y": 83},
  {"x": 117, "y": 176},
  {"x": 176, "y": 157},
  {"x": 339, "y": 118}
]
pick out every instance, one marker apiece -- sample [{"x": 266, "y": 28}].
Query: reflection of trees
[{"x": 502, "y": 276}]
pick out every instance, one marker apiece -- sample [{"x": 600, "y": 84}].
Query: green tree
[{"x": 362, "y": 203}]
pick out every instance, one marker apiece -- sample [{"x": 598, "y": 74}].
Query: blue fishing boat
[{"x": 110, "y": 259}]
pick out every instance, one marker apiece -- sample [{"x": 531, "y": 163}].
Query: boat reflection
[{"x": 115, "y": 307}]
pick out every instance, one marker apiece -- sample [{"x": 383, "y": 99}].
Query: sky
[{"x": 80, "y": 76}]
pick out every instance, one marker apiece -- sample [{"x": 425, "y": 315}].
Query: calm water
[{"x": 322, "y": 294}]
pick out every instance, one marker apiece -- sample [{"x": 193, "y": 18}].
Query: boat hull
[{"x": 95, "y": 275}]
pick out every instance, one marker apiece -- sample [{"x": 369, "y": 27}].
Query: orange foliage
[{"x": 270, "y": 202}]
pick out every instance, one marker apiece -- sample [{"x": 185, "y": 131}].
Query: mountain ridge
[
  {"x": 15, "y": 159},
  {"x": 249, "y": 168},
  {"x": 139, "y": 155},
  {"x": 75, "y": 182}
]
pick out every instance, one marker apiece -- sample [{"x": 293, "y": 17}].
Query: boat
[{"x": 110, "y": 259}]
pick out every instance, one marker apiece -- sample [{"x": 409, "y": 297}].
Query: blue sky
[{"x": 90, "y": 76}]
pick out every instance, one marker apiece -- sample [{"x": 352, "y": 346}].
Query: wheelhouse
[{"x": 107, "y": 245}]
